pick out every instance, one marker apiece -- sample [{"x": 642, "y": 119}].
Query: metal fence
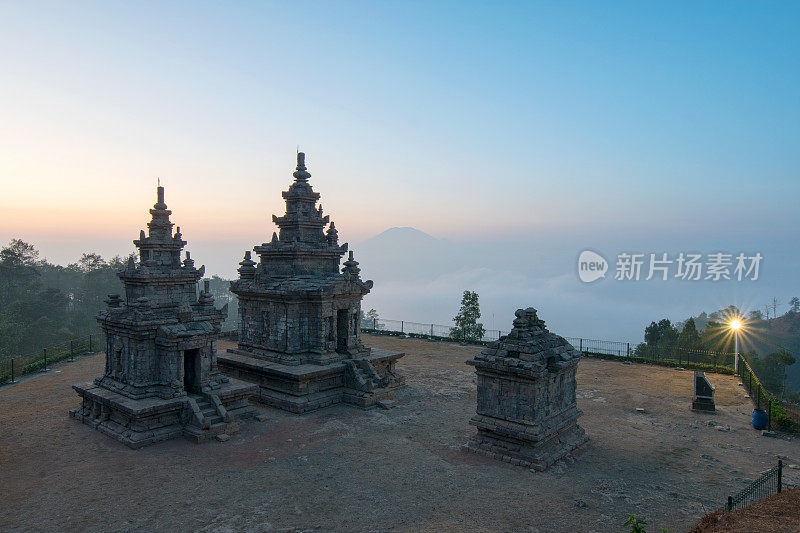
[
  {"x": 784, "y": 415},
  {"x": 769, "y": 483},
  {"x": 417, "y": 329},
  {"x": 14, "y": 367},
  {"x": 701, "y": 359},
  {"x": 619, "y": 349}
]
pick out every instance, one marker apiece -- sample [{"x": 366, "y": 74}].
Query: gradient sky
[{"x": 467, "y": 120}]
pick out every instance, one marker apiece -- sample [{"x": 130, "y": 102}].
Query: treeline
[
  {"x": 42, "y": 304},
  {"x": 767, "y": 344}
]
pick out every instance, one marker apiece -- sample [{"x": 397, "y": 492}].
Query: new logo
[{"x": 591, "y": 266}]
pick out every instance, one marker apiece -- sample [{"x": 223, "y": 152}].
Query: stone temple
[
  {"x": 161, "y": 378},
  {"x": 527, "y": 413},
  {"x": 299, "y": 316}
]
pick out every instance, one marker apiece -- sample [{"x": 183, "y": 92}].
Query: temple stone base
[
  {"x": 362, "y": 381},
  {"x": 703, "y": 404},
  {"x": 525, "y": 444},
  {"x": 141, "y": 422}
]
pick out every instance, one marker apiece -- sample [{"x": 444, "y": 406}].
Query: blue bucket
[{"x": 759, "y": 419}]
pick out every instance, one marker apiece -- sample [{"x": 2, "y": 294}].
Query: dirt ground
[{"x": 402, "y": 469}]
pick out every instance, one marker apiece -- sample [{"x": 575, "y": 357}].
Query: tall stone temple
[
  {"x": 161, "y": 378},
  {"x": 299, "y": 329}
]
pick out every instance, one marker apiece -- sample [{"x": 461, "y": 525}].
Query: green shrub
[{"x": 780, "y": 419}]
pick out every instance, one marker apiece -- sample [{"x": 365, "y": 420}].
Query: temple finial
[
  {"x": 333, "y": 235},
  {"x": 160, "y": 197},
  {"x": 300, "y": 173},
  {"x": 247, "y": 268}
]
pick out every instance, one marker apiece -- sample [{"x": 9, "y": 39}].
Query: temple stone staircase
[
  {"x": 210, "y": 423},
  {"x": 209, "y": 410},
  {"x": 364, "y": 386}
]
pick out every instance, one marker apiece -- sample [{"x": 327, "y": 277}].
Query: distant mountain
[
  {"x": 400, "y": 236},
  {"x": 405, "y": 254}
]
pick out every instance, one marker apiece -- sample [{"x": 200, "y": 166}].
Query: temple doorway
[
  {"x": 191, "y": 371},
  {"x": 342, "y": 330}
]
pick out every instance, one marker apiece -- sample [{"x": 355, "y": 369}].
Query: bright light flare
[{"x": 736, "y": 324}]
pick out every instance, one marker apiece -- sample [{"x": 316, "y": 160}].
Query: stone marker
[
  {"x": 703, "y": 399},
  {"x": 161, "y": 378},
  {"x": 527, "y": 413},
  {"x": 299, "y": 316}
]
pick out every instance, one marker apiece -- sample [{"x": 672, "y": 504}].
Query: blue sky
[{"x": 624, "y": 122}]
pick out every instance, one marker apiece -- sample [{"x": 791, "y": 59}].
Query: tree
[
  {"x": 370, "y": 319},
  {"x": 784, "y": 358},
  {"x": 755, "y": 315},
  {"x": 467, "y": 326},
  {"x": 18, "y": 272},
  {"x": 794, "y": 304},
  {"x": 31, "y": 316},
  {"x": 689, "y": 338},
  {"x": 221, "y": 289},
  {"x": 91, "y": 262},
  {"x": 661, "y": 338}
]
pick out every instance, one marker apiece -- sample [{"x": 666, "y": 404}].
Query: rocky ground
[{"x": 401, "y": 469}]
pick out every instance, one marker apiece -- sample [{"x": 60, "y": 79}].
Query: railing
[
  {"x": 692, "y": 359},
  {"x": 426, "y": 331},
  {"x": 619, "y": 349},
  {"x": 769, "y": 483},
  {"x": 782, "y": 415},
  {"x": 14, "y": 367}
]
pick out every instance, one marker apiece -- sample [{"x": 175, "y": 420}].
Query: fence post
[
  {"x": 758, "y": 397},
  {"x": 780, "y": 474},
  {"x": 628, "y": 353},
  {"x": 431, "y": 331},
  {"x": 71, "y": 351},
  {"x": 769, "y": 416},
  {"x": 44, "y": 350},
  {"x": 90, "y": 344},
  {"x": 581, "y": 345},
  {"x": 729, "y": 507},
  {"x": 402, "y": 324},
  {"x": 12, "y": 371}
]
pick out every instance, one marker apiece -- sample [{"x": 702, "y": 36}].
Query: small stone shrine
[
  {"x": 703, "y": 399},
  {"x": 527, "y": 414},
  {"x": 299, "y": 316},
  {"x": 161, "y": 378}
]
